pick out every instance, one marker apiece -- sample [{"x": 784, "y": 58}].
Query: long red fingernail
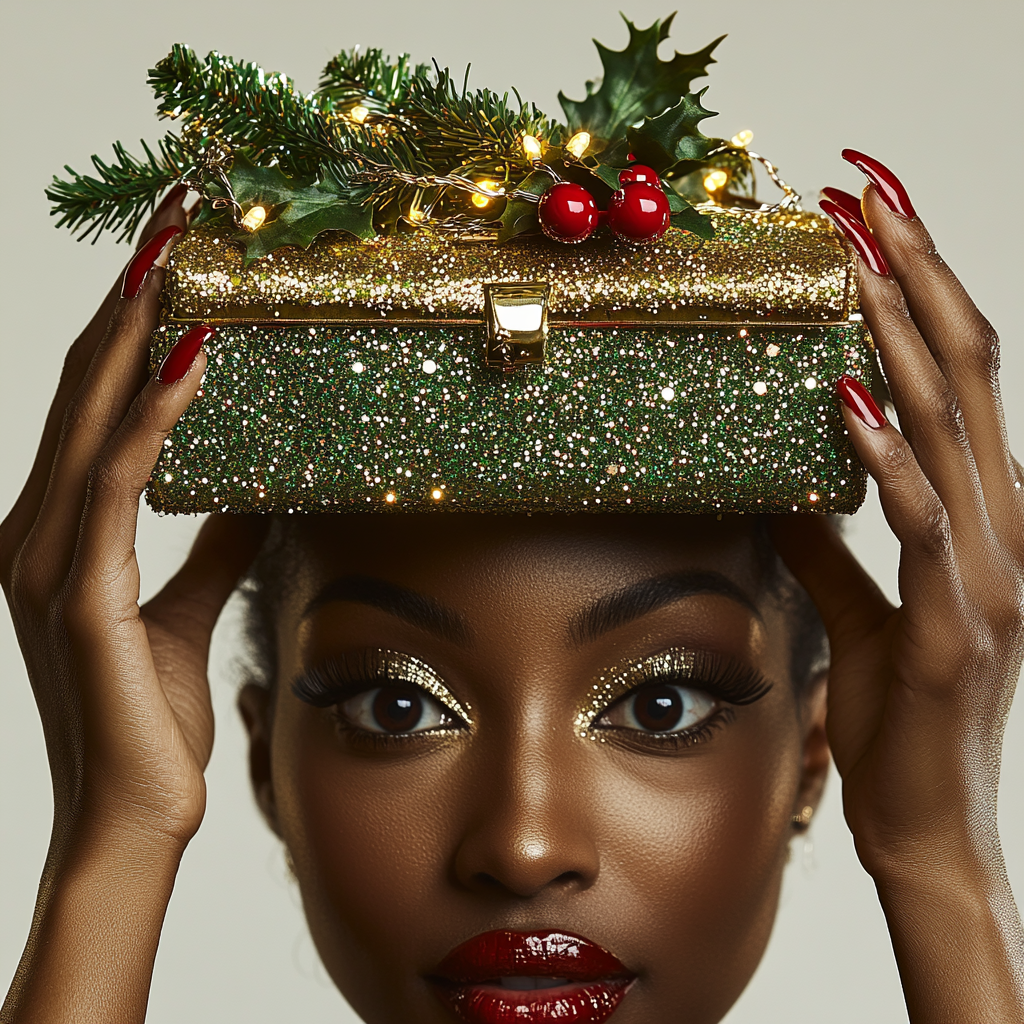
[
  {"x": 173, "y": 198},
  {"x": 890, "y": 188},
  {"x": 857, "y": 398},
  {"x": 183, "y": 354},
  {"x": 861, "y": 239},
  {"x": 845, "y": 201},
  {"x": 145, "y": 260}
]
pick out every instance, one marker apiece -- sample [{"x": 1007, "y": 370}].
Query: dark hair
[{"x": 266, "y": 587}]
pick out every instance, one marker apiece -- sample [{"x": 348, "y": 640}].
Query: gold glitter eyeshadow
[
  {"x": 682, "y": 376},
  {"x": 404, "y": 667},
  {"x": 620, "y": 680}
]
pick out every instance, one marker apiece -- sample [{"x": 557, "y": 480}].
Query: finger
[
  {"x": 187, "y": 608},
  {"x": 848, "y": 600},
  {"x": 961, "y": 340},
  {"x": 928, "y": 408},
  {"x": 931, "y": 413},
  {"x": 909, "y": 502},
  {"x": 25, "y": 510},
  {"x": 105, "y": 555},
  {"x": 112, "y": 380}
]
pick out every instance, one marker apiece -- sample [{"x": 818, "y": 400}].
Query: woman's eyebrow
[
  {"x": 648, "y": 595},
  {"x": 399, "y": 601}
]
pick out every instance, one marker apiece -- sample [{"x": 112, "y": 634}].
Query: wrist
[
  {"x": 956, "y": 936},
  {"x": 99, "y": 913},
  {"x": 106, "y": 843},
  {"x": 95, "y": 819},
  {"x": 958, "y": 844}
]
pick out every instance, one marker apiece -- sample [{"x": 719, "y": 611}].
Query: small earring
[
  {"x": 802, "y": 821},
  {"x": 290, "y": 864}
]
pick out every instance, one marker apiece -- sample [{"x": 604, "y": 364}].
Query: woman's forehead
[
  {"x": 558, "y": 548},
  {"x": 516, "y": 587}
]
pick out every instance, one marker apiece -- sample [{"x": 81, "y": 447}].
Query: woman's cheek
[
  {"x": 694, "y": 846},
  {"x": 367, "y": 838}
]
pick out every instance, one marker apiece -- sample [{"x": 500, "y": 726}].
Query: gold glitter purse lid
[{"x": 772, "y": 266}]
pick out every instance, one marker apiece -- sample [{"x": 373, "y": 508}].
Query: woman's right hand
[{"x": 122, "y": 690}]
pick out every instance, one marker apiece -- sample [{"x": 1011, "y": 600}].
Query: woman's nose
[{"x": 530, "y": 830}]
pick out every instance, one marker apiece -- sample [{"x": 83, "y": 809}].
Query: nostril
[{"x": 488, "y": 881}]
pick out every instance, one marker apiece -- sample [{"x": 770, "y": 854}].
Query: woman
[{"x": 547, "y": 771}]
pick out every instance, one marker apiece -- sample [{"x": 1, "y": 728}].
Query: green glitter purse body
[{"x": 419, "y": 372}]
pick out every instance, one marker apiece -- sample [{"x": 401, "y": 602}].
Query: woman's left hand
[{"x": 918, "y": 695}]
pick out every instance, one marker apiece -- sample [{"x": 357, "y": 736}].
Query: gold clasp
[{"x": 517, "y": 323}]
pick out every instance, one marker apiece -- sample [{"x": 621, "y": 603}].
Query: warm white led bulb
[
  {"x": 481, "y": 201},
  {"x": 578, "y": 144},
  {"x": 254, "y": 218},
  {"x": 716, "y": 180},
  {"x": 742, "y": 139},
  {"x": 531, "y": 147}
]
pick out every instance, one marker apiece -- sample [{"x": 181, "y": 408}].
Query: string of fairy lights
[{"x": 483, "y": 192}]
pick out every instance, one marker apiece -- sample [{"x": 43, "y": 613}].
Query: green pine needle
[
  {"x": 246, "y": 106},
  {"x": 476, "y": 132},
  {"x": 368, "y": 78},
  {"x": 123, "y": 194}
]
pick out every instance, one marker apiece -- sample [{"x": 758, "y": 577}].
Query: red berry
[
  {"x": 638, "y": 172},
  {"x": 567, "y": 212},
  {"x": 639, "y": 211}
]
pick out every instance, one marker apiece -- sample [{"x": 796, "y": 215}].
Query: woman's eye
[
  {"x": 661, "y": 708},
  {"x": 396, "y": 709}
]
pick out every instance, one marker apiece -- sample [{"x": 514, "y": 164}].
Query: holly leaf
[
  {"x": 692, "y": 220},
  {"x": 298, "y": 209},
  {"x": 673, "y": 135},
  {"x": 636, "y": 82},
  {"x": 265, "y": 186},
  {"x": 520, "y": 215},
  {"x": 684, "y": 216},
  {"x": 608, "y": 173}
]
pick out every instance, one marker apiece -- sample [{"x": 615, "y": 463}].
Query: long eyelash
[
  {"x": 719, "y": 676},
  {"x": 334, "y": 681}
]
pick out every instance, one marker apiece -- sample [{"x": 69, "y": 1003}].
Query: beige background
[{"x": 933, "y": 88}]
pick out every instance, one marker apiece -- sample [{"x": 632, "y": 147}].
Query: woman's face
[{"x": 529, "y": 732}]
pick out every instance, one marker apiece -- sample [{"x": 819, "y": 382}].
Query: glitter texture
[
  {"x": 395, "y": 665},
  {"x": 685, "y": 376},
  {"x": 620, "y": 680},
  {"x": 783, "y": 266}
]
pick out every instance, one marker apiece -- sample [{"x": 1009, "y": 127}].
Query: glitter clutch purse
[{"x": 419, "y": 372}]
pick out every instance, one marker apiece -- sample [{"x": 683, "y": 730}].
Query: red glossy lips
[{"x": 490, "y": 979}]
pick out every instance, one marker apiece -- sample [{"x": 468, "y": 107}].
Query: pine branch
[
  {"x": 123, "y": 194},
  {"x": 369, "y": 78},
  {"x": 246, "y": 106},
  {"x": 452, "y": 124}
]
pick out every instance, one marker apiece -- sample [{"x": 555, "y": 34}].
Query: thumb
[
  {"x": 848, "y": 600},
  {"x": 190, "y": 603}
]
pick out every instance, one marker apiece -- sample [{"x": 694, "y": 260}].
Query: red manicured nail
[
  {"x": 857, "y": 397},
  {"x": 890, "y": 188},
  {"x": 845, "y": 201},
  {"x": 145, "y": 260},
  {"x": 859, "y": 236},
  {"x": 179, "y": 360},
  {"x": 173, "y": 198}
]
